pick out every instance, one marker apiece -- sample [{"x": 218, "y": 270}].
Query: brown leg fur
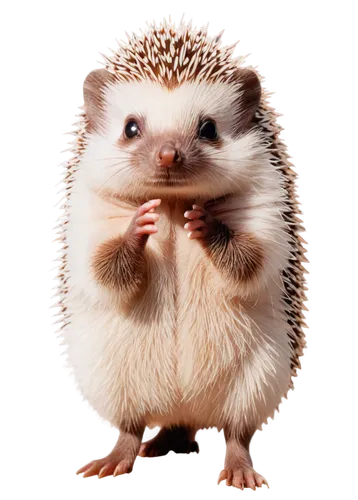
[
  {"x": 177, "y": 439},
  {"x": 238, "y": 469}
]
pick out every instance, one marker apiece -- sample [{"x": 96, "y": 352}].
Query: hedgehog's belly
[
  {"x": 122, "y": 369},
  {"x": 177, "y": 373}
]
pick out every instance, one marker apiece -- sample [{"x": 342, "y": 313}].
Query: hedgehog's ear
[
  {"x": 93, "y": 94},
  {"x": 250, "y": 95}
]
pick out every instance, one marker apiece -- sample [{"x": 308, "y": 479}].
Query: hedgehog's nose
[{"x": 168, "y": 156}]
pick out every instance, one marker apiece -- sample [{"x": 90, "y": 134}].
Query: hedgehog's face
[{"x": 146, "y": 140}]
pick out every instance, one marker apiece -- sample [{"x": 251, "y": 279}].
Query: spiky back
[
  {"x": 171, "y": 56},
  {"x": 293, "y": 277}
]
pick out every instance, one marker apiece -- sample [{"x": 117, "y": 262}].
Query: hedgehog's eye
[
  {"x": 131, "y": 129},
  {"x": 208, "y": 130}
]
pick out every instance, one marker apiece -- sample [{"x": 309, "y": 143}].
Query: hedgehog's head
[{"x": 165, "y": 134}]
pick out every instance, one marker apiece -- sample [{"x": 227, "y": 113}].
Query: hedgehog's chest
[
  {"x": 182, "y": 263},
  {"x": 182, "y": 259},
  {"x": 171, "y": 221}
]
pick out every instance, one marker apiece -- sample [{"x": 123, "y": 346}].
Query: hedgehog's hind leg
[
  {"x": 178, "y": 439},
  {"x": 120, "y": 460},
  {"x": 238, "y": 471}
]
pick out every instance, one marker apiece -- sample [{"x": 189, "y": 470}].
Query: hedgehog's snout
[{"x": 168, "y": 155}]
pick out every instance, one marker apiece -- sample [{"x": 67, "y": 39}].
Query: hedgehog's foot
[
  {"x": 119, "y": 461},
  {"x": 238, "y": 469},
  {"x": 177, "y": 439}
]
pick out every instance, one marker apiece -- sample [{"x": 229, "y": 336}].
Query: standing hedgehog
[{"x": 181, "y": 283}]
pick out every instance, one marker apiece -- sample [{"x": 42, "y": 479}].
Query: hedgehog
[{"x": 181, "y": 283}]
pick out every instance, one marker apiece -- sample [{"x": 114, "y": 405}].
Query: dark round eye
[
  {"x": 208, "y": 130},
  {"x": 131, "y": 129}
]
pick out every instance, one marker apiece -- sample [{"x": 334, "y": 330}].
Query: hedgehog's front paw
[
  {"x": 201, "y": 224},
  {"x": 143, "y": 223}
]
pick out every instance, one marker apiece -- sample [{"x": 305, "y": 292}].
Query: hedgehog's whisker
[
  {"x": 121, "y": 169},
  {"x": 106, "y": 158}
]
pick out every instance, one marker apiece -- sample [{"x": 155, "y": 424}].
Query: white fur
[
  {"x": 164, "y": 111},
  {"x": 220, "y": 354}
]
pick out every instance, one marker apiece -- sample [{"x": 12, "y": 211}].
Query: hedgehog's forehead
[{"x": 164, "y": 108}]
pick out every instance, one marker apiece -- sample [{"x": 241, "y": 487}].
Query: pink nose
[{"x": 167, "y": 156}]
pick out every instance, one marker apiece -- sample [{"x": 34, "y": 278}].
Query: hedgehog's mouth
[
  {"x": 174, "y": 182},
  {"x": 171, "y": 177}
]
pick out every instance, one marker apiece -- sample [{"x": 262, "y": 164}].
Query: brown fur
[
  {"x": 119, "y": 264},
  {"x": 193, "y": 159},
  {"x": 149, "y": 146},
  {"x": 132, "y": 428},
  {"x": 239, "y": 256}
]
